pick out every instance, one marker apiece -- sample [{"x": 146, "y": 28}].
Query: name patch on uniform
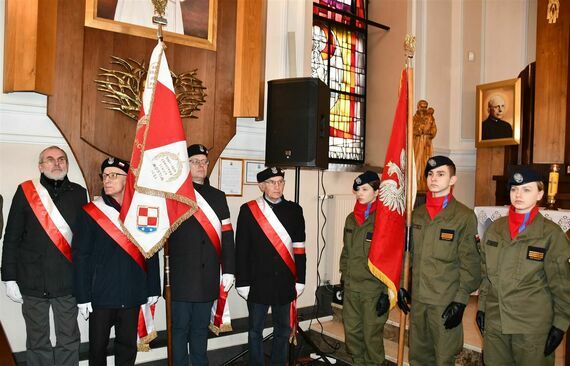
[
  {"x": 416, "y": 226},
  {"x": 492, "y": 243},
  {"x": 446, "y": 234},
  {"x": 535, "y": 254},
  {"x": 348, "y": 230},
  {"x": 369, "y": 236}
]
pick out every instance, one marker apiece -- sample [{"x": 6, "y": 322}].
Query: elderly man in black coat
[
  {"x": 36, "y": 259},
  {"x": 270, "y": 261},
  {"x": 112, "y": 278},
  {"x": 198, "y": 252}
]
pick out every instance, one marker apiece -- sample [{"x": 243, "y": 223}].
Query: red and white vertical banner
[{"x": 158, "y": 194}]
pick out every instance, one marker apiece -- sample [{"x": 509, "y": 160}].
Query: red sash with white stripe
[
  {"x": 220, "y": 320},
  {"x": 274, "y": 231},
  {"x": 49, "y": 216},
  {"x": 108, "y": 219},
  {"x": 283, "y": 244}
]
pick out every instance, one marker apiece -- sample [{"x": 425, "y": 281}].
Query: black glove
[
  {"x": 383, "y": 304},
  {"x": 554, "y": 338},
  {"x": 403, "y": 300},
  {"x": 480, "y": 319},
  {"x": 453, "y": 314}
]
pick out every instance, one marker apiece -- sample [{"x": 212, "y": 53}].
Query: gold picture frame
[
  {"x": 199, "y": 20},
  {"x": 499, "y": 109}
]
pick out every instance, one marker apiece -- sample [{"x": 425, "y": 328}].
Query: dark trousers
[
  {"x": 190, "y": 322},
  {"x": 125, "y": 322},
  {"x": 281, "y": 331},
  {"x": 39, "y": 351}
]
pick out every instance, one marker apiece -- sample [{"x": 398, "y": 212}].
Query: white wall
[{"x": 445, "y": 30}]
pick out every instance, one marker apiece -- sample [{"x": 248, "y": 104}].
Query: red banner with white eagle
[
  {"x": 387, "y": 246},
  {"x": 158, "y": 194}
]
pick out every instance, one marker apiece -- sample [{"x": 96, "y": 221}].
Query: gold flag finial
[
  {"x": 410, "y": 45},
  {"x": 159, "y": 7}
]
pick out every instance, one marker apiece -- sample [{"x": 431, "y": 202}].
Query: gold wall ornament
[
  {"x": 552, "y": 11},
  {"x": 410, "y": 45},
  {"x": 123, "y": 88}
]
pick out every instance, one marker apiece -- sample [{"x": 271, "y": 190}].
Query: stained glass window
[{"x": 339, "y": 59}]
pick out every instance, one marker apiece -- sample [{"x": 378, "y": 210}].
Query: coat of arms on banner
[{"x": 147, "y": 219}]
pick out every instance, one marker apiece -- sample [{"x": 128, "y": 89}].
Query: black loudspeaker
[{"x": 298, "y": 115}]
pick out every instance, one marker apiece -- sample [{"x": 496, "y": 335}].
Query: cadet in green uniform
[
  {"x": 446, "y": 269},
  {"x": 365, "y": 303},
  {"x": 524, "y": 301}
]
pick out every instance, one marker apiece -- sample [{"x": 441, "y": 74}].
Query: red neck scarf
[
  {"x": 435, "y": 204},
  {"x": 518, "y": 222},
  {"x": 362, "y": 211}
]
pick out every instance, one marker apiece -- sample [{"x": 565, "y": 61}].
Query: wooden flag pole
[
  {"x": 168, "y": 299},
  {"x": 409, "y": 46}
]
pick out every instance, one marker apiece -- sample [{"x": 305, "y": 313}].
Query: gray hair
[{"x": 41, "y": 157}]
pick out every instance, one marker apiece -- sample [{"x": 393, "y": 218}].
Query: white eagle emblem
[{"x": 392, "y": 191}]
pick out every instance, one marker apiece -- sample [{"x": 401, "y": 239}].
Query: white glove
[
  {"x": 299, "y": 287},
  {"x": 85, "y": 309},
  {"x": 243, "y": 291},
  {"x": 228, "y": 281},
  {"x": 152, "y": 300},
  {"x": 13, "y": 292}
]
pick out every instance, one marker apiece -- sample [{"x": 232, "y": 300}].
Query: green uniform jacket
[
  {"x": 445, "y": 259},
  {"x": 354, "y": 257},
  {"x": 526, "y": 281}
]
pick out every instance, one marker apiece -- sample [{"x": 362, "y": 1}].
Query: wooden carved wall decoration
[
  {"x": 123, "y": 88},
  {"x": 74, "y": 49},
  {"x": 92, "y": 130}
]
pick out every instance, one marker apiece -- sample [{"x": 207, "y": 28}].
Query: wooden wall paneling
[
  {"x": 94, "y": 132},
  {"x": 551, "y": 98},
  {"x": 29, "y": 45},
  {"x": 185, "y": 59},
  {"x": 225, "y": 123},
  {"x": 490, "y": 162},
  {"x": 64, "y": 105},
  {"x": 250, "y": 58}
]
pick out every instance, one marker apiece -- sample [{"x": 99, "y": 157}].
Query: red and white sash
[
  {"x": 283, "y": 244},
  {"x": 274, "y": 231},
  {"x": 108, "y": 219},
  {"x": 49, "y": 216},
  {"x": 220, "y": 319}
]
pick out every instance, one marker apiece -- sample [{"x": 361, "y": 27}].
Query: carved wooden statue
[{"x": 424, "y": 131}]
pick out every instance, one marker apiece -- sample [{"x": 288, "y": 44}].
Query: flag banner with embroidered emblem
[
  {"x": 158, "y": 193},
  {"x": 387, "y": 246}
]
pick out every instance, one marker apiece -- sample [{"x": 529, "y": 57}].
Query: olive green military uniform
[
  {"x": 446, "y": 267},
  {"x": 525, "y": 291},
  {"x": 363, "y": 328}
]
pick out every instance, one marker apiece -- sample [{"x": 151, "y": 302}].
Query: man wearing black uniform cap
[
  {"x": 446, "y": 268},
  {"x": 195, "y": 265},
  {"x": 112, "y": 278},
  {"x": 270, "y": 263}
]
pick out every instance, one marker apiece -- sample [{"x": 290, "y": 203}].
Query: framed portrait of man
[
  {"x": 498, "y": 113},
  {"x": 189, "y": 22}
]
